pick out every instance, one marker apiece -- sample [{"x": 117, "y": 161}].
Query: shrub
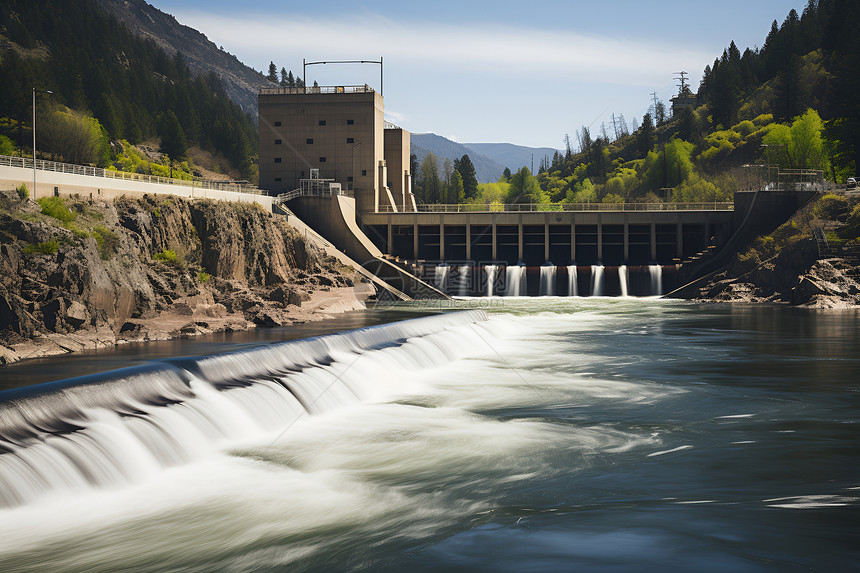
[
  {"x": 831, "y": 207},
  {"x": 23, "y": 192},
  {"x": 107, "y": 240},
  {"x": 203, "y": 276},
  {"x": 55, "y": 207},
  {"x": 48, "y": 248},
  {"x": 167, "y": 256}
]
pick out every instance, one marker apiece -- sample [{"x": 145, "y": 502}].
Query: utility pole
[{"x": 615, "y": 126}]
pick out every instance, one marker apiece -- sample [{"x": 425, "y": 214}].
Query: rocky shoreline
[
  {"x": 153, "y": 268},
  {"x": 795, "y": 277}
]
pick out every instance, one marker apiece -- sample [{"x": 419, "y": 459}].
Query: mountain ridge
[{"x": 241, "y": 82}]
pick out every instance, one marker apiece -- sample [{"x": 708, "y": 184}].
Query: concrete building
[{"x": 341, "y": 131}]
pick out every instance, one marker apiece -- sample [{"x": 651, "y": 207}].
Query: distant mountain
[
  {"x": 513, "y": 156},
  {"x": 490, "y": 159},
  {"x": 240, "y": 81},
  {"x": 486, "y": 170}
]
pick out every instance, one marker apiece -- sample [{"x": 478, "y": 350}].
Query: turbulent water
[{"x": 550, "y": 434}]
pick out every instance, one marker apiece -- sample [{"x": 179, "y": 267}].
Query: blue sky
[{"x": 517, "y": 72}]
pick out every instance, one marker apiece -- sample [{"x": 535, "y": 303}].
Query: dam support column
[
  {"x": 626, "y": 240},
  {"x": 415, "y": 238},
  {"x": 679, "y": 240},
  {"x": 390, "y": 237},
  {"x": 653, "y": 241},
  {"x": 599, "y": 239},
  {"x": 495, "y": 242},
  {"x": 573, "y": 242},
  {"x": 546, "y": 241},
  {"x": 468, "y": 242},
  {"x": 520, "y": 238},
  {"x": 442, "y": 241}
]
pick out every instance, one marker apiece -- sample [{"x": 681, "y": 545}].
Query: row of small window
[
  {"x": 322, "y": 122},
  {"x": 310, "y": 141}
]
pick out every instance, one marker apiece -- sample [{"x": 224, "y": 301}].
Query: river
[{"x": 542, "y": 434}]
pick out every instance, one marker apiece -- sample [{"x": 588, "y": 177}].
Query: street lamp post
[{"x": 34, "y": 138}]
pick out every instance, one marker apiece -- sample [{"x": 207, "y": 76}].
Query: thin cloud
[{"x": 489, "y": 50}]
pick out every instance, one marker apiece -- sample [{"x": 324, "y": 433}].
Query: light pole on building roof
[{"x": 34, "y": 137}]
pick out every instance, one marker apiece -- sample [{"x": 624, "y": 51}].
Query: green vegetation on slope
[{"x": 108, "y": 85}]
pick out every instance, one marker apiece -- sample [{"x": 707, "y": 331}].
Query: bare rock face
[
  {"x": 149, "y": 268},
  {"x": 827, "y": 285}
]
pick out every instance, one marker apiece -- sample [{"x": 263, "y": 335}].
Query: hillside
[
  {"x": 202, "y": 56},
  {"x": 790, "y": 104},
  {"x": 108, "y": 85},
  {"x": 486, "y": 169}
]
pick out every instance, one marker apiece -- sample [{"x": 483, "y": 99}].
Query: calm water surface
[{"x": 558, "y": 435}]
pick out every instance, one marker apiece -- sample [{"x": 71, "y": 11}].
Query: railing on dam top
[
  {"x": 43, "y": 165},
  {"x": 556, "y": 207},
  {"x": 317, "y": 90}
]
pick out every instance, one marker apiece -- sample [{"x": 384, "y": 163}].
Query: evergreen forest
[{"x": 110, "y": 91}]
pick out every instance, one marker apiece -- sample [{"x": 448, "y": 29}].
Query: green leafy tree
[
  {"x": 525, "y": 188},
  {"x": 456, "y": 192},
  {"x": 799, "y": 146}
]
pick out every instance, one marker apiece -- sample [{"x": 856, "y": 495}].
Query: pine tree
[
  {"x": 273, "y": 73},
  {"x": 467, "y": 172}
]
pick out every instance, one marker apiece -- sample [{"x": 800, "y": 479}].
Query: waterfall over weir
[
  {"x": 490, "y": 273},
  {"x": 624, "y": 280},
  {"x": 121, "y": 427},
  {"x": 441, "y": 277},
  {"x": 656, "y": 272},
  {"x": 596, "y": 280},
  {"x": 515, "y": 280},
  {"x": 547, "y": 280},
  {"x": 572, "y": 289}
]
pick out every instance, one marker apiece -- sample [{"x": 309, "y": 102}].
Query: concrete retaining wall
[{"x": 105, "y": 188}]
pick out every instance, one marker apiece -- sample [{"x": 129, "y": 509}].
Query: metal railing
[
  {"x": 558, "y": 207},
  {"x": 317, "y": 90},
  {"x": 284, "y": 197},
  {"x": 196, "y": 183}
]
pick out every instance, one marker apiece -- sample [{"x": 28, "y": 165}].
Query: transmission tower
[{"x": 683, "y": 79}]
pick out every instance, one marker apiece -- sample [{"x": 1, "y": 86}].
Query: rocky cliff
[
  {"x": 792, "y": 267},
  {"x": 77, "y": 274}
]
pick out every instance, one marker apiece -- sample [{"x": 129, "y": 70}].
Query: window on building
[
  {"x": 309, "y": 141},
  {"x": 349, "y": 179},
  {"x": 277, "y": 142},
  {"x": 303, "y": 173},
  {"x": 277, "y": 124},
  {"x": 322, "y": 122},
  {"x": 277, "y": 159},
  {"x": 350, "y": 121},
  {"x": 277, "y": 179},
  {"x": 322, "y": 159},
  {"x": 364, "y": 172},
  {"x": 350, "y": 140}
]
